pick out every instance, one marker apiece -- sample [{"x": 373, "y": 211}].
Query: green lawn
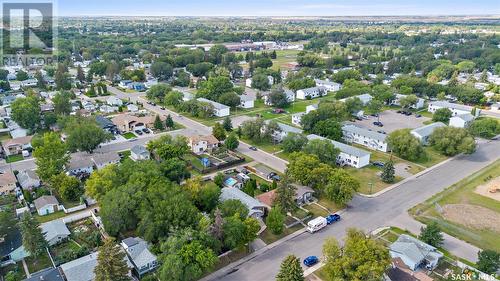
[
  {"x": 14, "y": 158},
  {"x": 124, "y": 154},
  {"x": 369, "y": 179},
  {"x": 463, "y": 193},
  {"x": 316, "y": 210},
  {"x": 4, "y": 136},
  {"x": 431, "y": 158},
  {"x": 41, "y": 262},
  {"x": 49, "y": 217},
  {"x": 266, "y": 146},
  {"x": 129, "y": 135},
  {"x": 269, "y": 238}
]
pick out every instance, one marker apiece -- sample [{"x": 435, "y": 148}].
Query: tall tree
[
  {"x": 293, "y": 142},
  {"x": 62, "y": 103},
  {"x": 405, "y": 145},
  {"x": 219, "y": 132},
  {"x": 84, "y": 134},
  {"x": 158, "y": 125},
  {"x": 232, "y": 141},
  {"x": 26, "y": 112},
  {"x": 33, "y": 239},
  {"x": 111, "y": 263},
  {"x": 169, "y": 123},
  {"x": 285, "y": 195},
  {"x": 452, "y": 141},
  {"x": 275, "y": 220},
  {"x": 442, "y": 115},
  {"x": 7, "y": 222},
  {"x": 387, "y": 175},
  {"x": 290, "y": 270},
  {"x": 431, "y": 234},
  {"x": 488, "y": 261},
  {"x": 341, "y": 187},
  {"x": 80, "y": 76},
  {"x": 50, "y": 155},
  {"x": 361, "y": 258},
  {"x": 227, "y": 125}
]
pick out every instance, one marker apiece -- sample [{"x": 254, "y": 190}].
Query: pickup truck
[{"x": 332, "y": 218}]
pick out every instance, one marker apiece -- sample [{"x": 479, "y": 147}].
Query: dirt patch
[
  {"x": 472, "y": 216},
  {"x": 491, "y": 189}
]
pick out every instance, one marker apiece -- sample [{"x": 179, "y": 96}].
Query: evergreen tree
[
  {"x": 169, "y": 123},
  {"x": 111, "y": 264},
  {"x": 158, "y": 125},
  {"x": 431, "y": 234},
  {"x": 388, "y": 172},
  {"x": 33, "y": 238},
  {"x": 285, "y": 196},
  {"x": 227, "y": 125},
  {"x": 290, "y": 270},
  {"x": 80, "y": 76}
]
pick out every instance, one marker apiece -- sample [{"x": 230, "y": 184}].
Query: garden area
[{"x": 38, "y": 263}]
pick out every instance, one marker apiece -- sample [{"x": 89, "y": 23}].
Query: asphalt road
[{"x": 367, "y": 214}]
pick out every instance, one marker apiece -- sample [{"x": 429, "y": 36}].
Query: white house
[
  {"x": 297, "y": 118},
  {"x": 290, "y": 97},
  {"x": 311, "y": 93},
  {"x": 220, "y": 110},
  {"x": 102, "y": 160},
  {"x": 247, "y": 101},
  {"x": 420, "y": 101},
  {"x": 248, "y": 82},
  {"x": 462, "y": 120},
  {"x": 46, "y": 205},
  {"x": 364, "y": 98},
  {"x": 114, "y": 101},
  {"x": 55, "y": 231},
  {"x": 201, "y": 144},
  {"x": 415, "y": 253},
  {"x": 125, "y": 83},
  {"x": 139, "y": 152},
  {"x": 349, "y": 155},
  {"x": 140, "y": 256},
  {"x": 423, "y": 133},
  {"x": 283, "y": 132},
  {"x": 456, "y": 109},
  {"x": 365, "y": 137},
  {"x": 329, "y": 85},
  {"x": 132, "y": 107},
  {"x": 108, "y": 108}
]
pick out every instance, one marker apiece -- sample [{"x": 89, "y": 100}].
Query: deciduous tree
[
  {"x": 50, "y": 155},
  {"x": 431, "y": 234},
  {"x": 452, "y": 141},
  {"x": 275, "y": 220},
  {"x": 405, "y": 145}
]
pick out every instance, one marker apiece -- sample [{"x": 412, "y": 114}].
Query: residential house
[
  {"x": 399, "y": 271},
  {"x": 88, "y": 105},
  {"x": 47, "y": 107},
  {"x": 200, "y": 144},
  {"x": 248, "y": 81},
  {"x": 132, "y": 107},
  {"x": 139, "y": 152},
  {"x": 11, "y": 247},
  {"x": 114, "y": 101},
  {"x": 28, "y": 179},
  {"x": 365, "y": 137},
  {"x": 80, "y": 163},
  {"x": 255, "y": 208},
  {"x": 364, "y": 98},
  {"x": 82, "y": 269},
  {"x": 55, "y": 231},
  {"x": 297, "y": 118},
  {"x": 187, "y": 96},
  {"x": 329, "y": 85},
  {"x": 140, "y": 256},
  {"x": 108, "y": 108},
  {"x": 46, "y": 204},
  {"x": 311, "y": 93},
  {"x": 127, "y": 122},
  {"x": 456, "y": 109},
  {"x": 220, "y": 110},
  {"x": 102, "y": 160},
  {"x": 495, "y": 106},
  {"x": 106, "y": 124},
  {"x": 137, "y": 86},
  {"x": 151, "y": 82},
  {"x": 397, "y": 101},
  {"x": 283, "y": 131},
  {"x": 7, "y": 99},
  {"x": 349, "y": 155},
  {"x": 247, "y": 101},
  {"x": 16, "y": 145},
  {"x": 312, "y": 107},
  {"x": 48, "y": 274},
  {"x": 415, "y": 253},
  {"x": 461, "y": 120},
  {"x": 290, "y": 97},
  {"x": 423, "y": 133},
  {"x": 7, "y": 182},
  {"x": 303, "y": 194},
  {"x": 125, "y": 83}
]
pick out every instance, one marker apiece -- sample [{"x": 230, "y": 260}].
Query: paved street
[{"x": 368, "y": 214}]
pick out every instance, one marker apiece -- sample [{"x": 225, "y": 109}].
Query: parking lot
[{"x": 392, "y": 121}]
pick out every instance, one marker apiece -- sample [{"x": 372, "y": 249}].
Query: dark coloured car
[
  {"x": 253, "y": 148},
  {"x": 162, "y": 108},
  {"x": 139, "y": 132},
  {"x": 311, "y": 260},
  {"x": 332, "y": 218},
  {"x": 378, "y": 123},
  {"x": 145, "y": 130},
  {"x": 418, "y": 115},
  {"x": 399, "y": 111},
  {"x": 378, "y": 164},
  {"x": 381, "y": 132}
]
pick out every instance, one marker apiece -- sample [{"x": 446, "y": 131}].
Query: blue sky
[{"x": 276, "y": 7}]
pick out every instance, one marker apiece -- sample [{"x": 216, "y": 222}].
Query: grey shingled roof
[
  {"x": 44, "y": 201},
  {"x": 466, "y": 117},
  {"x": 428, "y": 129},
  {"x": 139, "y": 149},
  {"x": 215, "y": 104},
  {"x": 364, "y": 132},
  {"x": 451, "y": 105},
  {"x": 80, "y": 160},
  {"x": 26, "y": 175},
  {"x": 82, "y": 269},
  {"x": 49, "y": 274},
  {"x": 138, "y": 251},
  {"x": 54, "y": 228},
  {"x": 103, "y": 158},
  {"x": 347, "y": 149},
  {"x": 234, "y": 193}
]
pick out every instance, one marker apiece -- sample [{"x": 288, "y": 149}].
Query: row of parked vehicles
[{"x": 315, "y": 225}]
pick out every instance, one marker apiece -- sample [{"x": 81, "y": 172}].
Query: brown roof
[
  {"x": 210, "y": 139},
  {"x": 267, "y": 198},
  {"x": 45, "y": 200},
  {"x": 17, "y": 141},
  {"x": 7, "y": 178}
]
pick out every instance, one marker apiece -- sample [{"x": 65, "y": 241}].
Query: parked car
[
  {"x": 139, "y": 132},
  {"x": 418, "y": 115},
  {"x": 332, "y": 218},
  {"x": 381, "y": 132},
  {"x": 253, "y": 148},
  {"x": 162, "y": 108},
  {"x": 378, "y": 123},
  {"x": 145, "y": 130},
  {"x": 311, "y": 260},
  {"x": 273, "y": 176},
  {"x": 378, "y": 164},
  {"x": 374, "y": 115},
  {"x": 399, "y": 111},
  {"x": 278, "y": 111}
]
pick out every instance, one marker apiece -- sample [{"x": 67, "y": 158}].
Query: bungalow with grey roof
[
  {"x": 48, "y": 274},
  {"x": 283, "y": 131},
  {"x": 415, "y": 253},
  {"x": 364, "y": 98},
  {"x": 220, "y": 110},
  {"x": 329, "y": 85},
  {"x": 139, "y": 152},
  {"x": 255, "y": 208},
  {"x": 364, "y": 137},
  {"x": 456, "y": 109},
  {"x": 28, "y": 179},
  {"x": 80, "y": 163},
  {"x": 246, "y": 101},
  {"x": 102, "y": 160},
  {"x": 420, "y": 101},
  {"x": 140, "y": 256},
  {"x": 55, "y": 231},
  {"x": 423, "y": 133},
  {"x": 82, "y": 269},
  {"x": 311, "y": 93},
  {"x": 461, "y": 120},
  {"x": 46, "y": 204},
  {"x": 349, "y": 155}
]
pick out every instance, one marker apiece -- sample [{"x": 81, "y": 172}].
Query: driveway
[{"x": 392, "y": 121}]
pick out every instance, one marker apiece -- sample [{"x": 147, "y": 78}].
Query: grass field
[
  {"x": 14, "y": 158},
  {"x": 369, "y": 179},
  {"x": 431, "y": 158},
  {"x": 129, "y": 135},
  {"x": 462, "y": 193},
  {"x": 269, "y": 238}
]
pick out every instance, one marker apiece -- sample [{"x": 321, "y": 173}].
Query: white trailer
[{"x": 316, "y": 224}]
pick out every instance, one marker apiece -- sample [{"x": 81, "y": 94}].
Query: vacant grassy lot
[
  {"x": 479, "y": 226},
  {"x": 369, "y": 179},
  {"x": 431, "y": 158}
]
